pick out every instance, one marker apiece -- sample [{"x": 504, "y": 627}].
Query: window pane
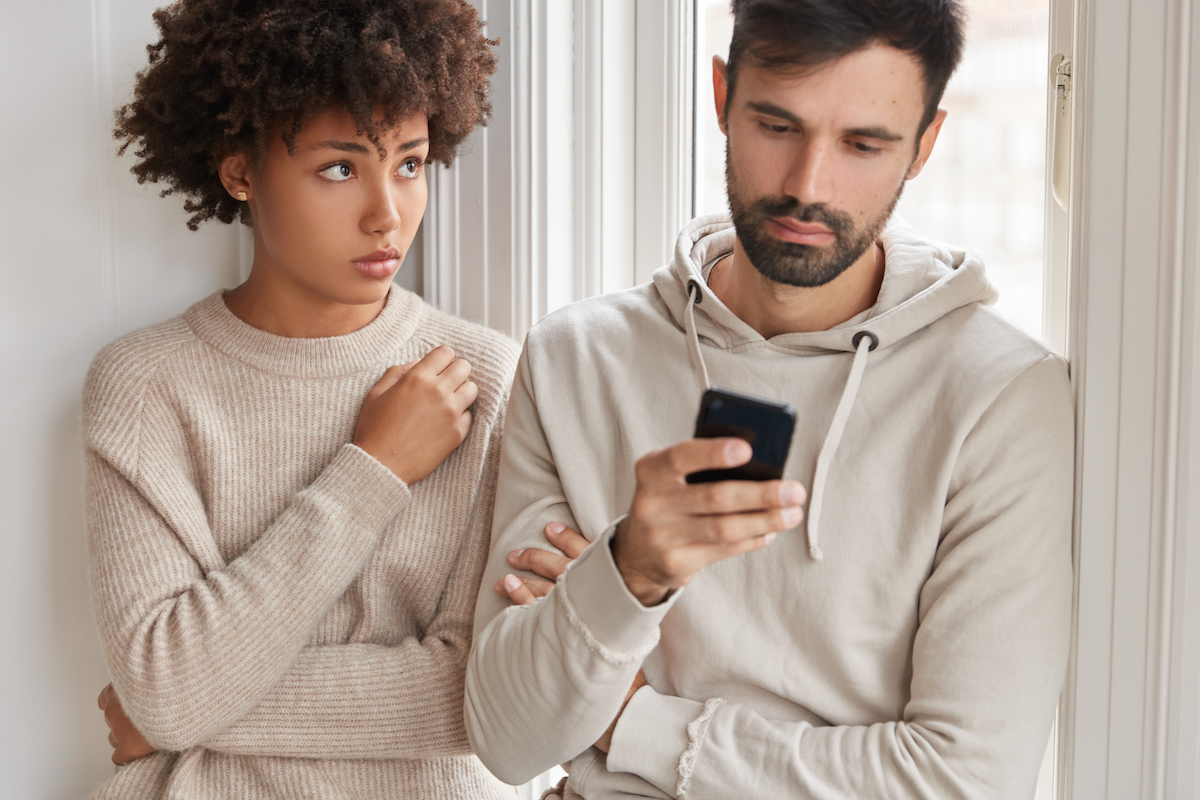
[{"x": 984, "y": 186}]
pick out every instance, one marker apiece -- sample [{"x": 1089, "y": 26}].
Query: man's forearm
[{"x": 545, "y": 681}]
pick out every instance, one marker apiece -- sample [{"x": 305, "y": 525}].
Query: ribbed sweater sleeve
[
  {"x": 988, "y": 659},
  {"x": 382, "y": 701},
  {"x": 191, "y": 650}
]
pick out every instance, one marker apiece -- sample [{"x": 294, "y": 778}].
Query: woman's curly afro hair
[{"x": 225, "y": 74}]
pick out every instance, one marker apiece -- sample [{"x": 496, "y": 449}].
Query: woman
[{"x": 290, "y": 485}]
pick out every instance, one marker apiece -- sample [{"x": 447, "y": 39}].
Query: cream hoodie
[{"x": 908, "y": 640}]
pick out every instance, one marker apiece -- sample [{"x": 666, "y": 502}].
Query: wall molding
[{"x": 1126, "y": 729}]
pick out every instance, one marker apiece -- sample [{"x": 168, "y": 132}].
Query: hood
[{"x": 922, "y": 282}]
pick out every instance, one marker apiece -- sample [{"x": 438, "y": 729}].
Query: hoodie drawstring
[
  {"x": 689, "y": 325},
  {"x": 864, "y": 342}
]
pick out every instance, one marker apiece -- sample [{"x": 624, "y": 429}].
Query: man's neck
[{"x": 775, "y": 308}]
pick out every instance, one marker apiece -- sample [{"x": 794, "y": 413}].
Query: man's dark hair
[
  {"x": 804, "y": 34},
  {"x": 225, "y": 74}
]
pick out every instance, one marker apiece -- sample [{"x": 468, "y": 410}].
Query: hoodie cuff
[
  {"x": 613, "y": 622},
  {"x": 652, "y": 736}
]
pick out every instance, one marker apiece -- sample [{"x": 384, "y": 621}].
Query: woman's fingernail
[
  {"x": 770, "y": 537},
  {"x": 516, "y": 553},
  {"x": 791, "y": 517},
  {"x": 555, "y": 528},
  {"x": 511, "y": 582}
]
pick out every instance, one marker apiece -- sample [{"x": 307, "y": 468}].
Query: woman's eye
[
  {"x": 410, "y": 168},
  {"x": 337, "y": 172}
]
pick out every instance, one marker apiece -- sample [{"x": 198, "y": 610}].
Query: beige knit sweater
[{"x": 281, "y": 615}]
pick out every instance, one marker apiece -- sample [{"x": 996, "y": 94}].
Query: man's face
[{"x": 815, "y": 163}]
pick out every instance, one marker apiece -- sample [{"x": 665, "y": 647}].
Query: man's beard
[{"x": 789, "y": 262}]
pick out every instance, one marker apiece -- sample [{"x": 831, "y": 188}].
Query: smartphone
[{"x": 765, "y": 424}]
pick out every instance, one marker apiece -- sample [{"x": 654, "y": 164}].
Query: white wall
[{"x": 85, "y": 255}]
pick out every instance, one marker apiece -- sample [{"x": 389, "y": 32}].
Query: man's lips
[
  {"x": 793, "y": 230},
  {"x": 380, "y": 264}
]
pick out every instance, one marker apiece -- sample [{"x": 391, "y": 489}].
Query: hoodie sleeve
[
  {"x": 545, "y": 681},
  {"x": 989, "y": 656}
]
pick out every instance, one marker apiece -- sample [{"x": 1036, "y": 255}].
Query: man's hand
[
  {"x": 126, "y": 740},
  {"x": 416, "y": 415},
  {"x": 523, "y": 591},
  {"x": 675, "y": 529}
]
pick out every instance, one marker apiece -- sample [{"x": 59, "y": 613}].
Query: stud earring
[{"x": 241, "y": 196}]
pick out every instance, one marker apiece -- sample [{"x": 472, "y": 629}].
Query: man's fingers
[
  {"x": 732, "y": 528},
  {"x": 693, "y": 455},
  {"x": 735, "y": 497},
  {"x": 540, "y": 562},
  {"x": 571, "y": 542}
]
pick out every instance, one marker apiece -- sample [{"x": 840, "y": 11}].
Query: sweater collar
[{"x": 332, "y": 356}]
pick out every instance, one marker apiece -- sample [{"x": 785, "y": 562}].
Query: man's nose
[
  {"x": 382, "y": 214},
  {"x": 810, "y": 176}
]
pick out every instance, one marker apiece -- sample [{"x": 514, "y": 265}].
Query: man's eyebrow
[
  {"x": 883, "y": 134},
  {"x": 358, "y": 147},
  {"x": 876, "y": 132}
]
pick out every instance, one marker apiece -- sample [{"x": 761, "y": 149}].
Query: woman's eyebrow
[
  {"x": 348, "y": 147},
  {"x": 358, "y": 147},
  {"x": 413, "y": 144}
]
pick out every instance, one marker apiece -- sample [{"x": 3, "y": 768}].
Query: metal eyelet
[
  {"x": 695, "y": 284},
  {"x": 858, "y": 337}
]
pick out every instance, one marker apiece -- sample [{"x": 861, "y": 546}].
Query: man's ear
[
  {"x": 925, "y": 147},
  {"x": 720, "y": 91},
  {"x": 236, "y": 176}
]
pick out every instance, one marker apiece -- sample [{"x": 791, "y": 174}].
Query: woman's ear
[{"x": 235, "y": 175}]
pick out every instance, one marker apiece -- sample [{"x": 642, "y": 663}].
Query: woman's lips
[
  {"x": 380, "y": 264},
  {"x": 810, "y": 233}
]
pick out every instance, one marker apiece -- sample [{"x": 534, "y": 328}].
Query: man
[{"x": 909, "y": 638}]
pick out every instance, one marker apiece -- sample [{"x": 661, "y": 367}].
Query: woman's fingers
[
  {"x": 522, "y": 590},
  {"x": 540, "y": 562},
  {"x": 571, "y": 542}
]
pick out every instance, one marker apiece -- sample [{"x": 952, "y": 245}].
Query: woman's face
[{"x": 334, "y": 220}]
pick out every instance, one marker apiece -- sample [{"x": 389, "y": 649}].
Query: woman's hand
[
  {"x": 548, "y": 564},
  {"x": 126, "y": 740},
  {"x": 416, "y": 415}
]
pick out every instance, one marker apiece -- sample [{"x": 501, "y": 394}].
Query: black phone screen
[{"x": 765, "y": 424}]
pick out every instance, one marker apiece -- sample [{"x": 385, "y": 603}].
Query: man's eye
[
  {"x": 337, "y": 172},
  {"x": 410, "y": 168},
  {"x": 865, "y": 149},
  {"x": 776, "y": 128}
]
